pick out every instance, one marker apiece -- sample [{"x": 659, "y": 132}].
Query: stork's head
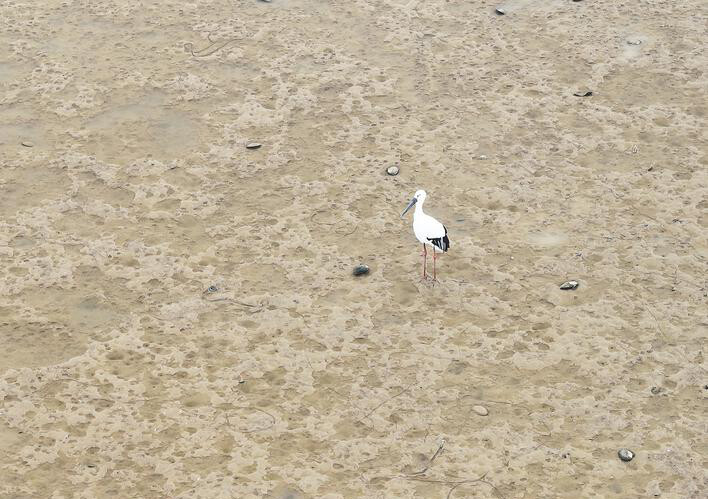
[{"x": 418, "y": 197}]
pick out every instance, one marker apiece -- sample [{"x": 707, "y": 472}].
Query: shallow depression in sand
[{"x": 138, "y": 126}]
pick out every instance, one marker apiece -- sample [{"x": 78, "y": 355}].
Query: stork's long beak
[{"x": 410, "y": 205}]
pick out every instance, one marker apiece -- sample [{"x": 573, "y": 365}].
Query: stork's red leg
[
  {"x": 425, "y": 260},
  {"x": 435, "y": 278}
]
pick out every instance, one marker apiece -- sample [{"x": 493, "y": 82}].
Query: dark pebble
[
  {"x": 625, "y": 455},
  {"x": 212, "y": 289},
  {"x": 570, "y": 285},
  {"x": 361, "y": 270},
  {"x": 656, "y": 390},
  {"x": 500, "y": 11},
  {"x": 583, "y": 94}
]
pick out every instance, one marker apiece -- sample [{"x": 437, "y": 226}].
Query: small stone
[
  {"x": 634, "y": 42},
  {"x": 392, "y": 170},
  {"x": 625, "y": 455},
  {"x": 27, "y": 143},
  {"x": 570, "y": 285},
  {"x": 480, "y": 410},
  {"x": 656, "y": 390},
  {"x": 483, "y": 157},
  {"x": 253, "y": 145},
  {"x": 583, "y": 94},
  {"x": 212, "y": 289},
  {"x": 361, "y": 270},
  {"x": 500, "y": 11}
]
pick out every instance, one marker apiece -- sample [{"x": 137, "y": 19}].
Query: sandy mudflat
[{"x": 134, "y": 193}]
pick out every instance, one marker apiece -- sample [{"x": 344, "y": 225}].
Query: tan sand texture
[{"x": 134, "y": 193}]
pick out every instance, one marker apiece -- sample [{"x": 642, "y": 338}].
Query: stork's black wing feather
[{"x": 442, "y": 243}]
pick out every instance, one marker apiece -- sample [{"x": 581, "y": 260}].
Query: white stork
[{"x": 429, "y": 231}]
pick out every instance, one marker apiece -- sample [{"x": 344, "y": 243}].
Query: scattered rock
[
  {"x": 500, "y": 11},
  {"x": 361, "y": 270},
  {"x": 483, "y": 157},
  {"x": 570, "y": 285},
  {"x": 634, "y": 42},
  {"x": 583, "y": 94},
  {"x": 625, "y": 455},
  {"x": 393, "y": 170},
  {"x": 27, "y": 143},
  {"x": 253, "y": 145},
  {"x": 212, "y": 289},
  {"x": 480, "y": 410},
  {"x": 656, "y": 390}
]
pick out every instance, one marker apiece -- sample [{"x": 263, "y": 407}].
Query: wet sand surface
[{"x": 134, "y": 193}]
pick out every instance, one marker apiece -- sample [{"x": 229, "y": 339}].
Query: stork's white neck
[{"x": 418, "y": 208}]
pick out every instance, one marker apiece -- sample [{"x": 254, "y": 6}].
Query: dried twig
[
  {"x": 430, "y": 461},
  {"x": 348, "y": 233},
  {"x": 190, "y": 46},
  {"x": 312, "y": 219},
  {"x": 480, "y": 479},
  {"x": 337, "y": 222},
  {"x": 243, "y": 304},
  {"x": 384, "y": 402},
  {"x": 272, "y": 421},
  {"x": 233, "y": 301},
  {"x": 453, "y": 482}
]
